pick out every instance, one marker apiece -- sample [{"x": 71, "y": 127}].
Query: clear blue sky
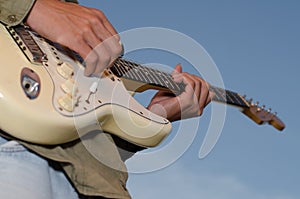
[{"x": 256, "y": 46}]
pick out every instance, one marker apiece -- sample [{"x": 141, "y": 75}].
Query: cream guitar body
[{"x": 46, "y": 99}]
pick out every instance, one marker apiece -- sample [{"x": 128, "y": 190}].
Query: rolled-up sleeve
[{"x": 13, "y": 12}]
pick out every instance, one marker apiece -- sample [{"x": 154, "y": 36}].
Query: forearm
[{"x": 13, "y": 12}]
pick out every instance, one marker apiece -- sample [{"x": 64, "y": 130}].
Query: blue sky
[{"x": 255, "y": 45}]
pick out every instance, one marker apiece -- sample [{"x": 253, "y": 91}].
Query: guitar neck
[{"x": 157, "y": 79}]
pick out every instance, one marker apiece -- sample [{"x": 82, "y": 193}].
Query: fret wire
[
  {"x": 126, "y": 71},
  {"x": 214, "y": 90},
  {"x": 218, "y": 96},
  {"x": 133, "y": 72},
  {"x": 151, "y": 74},
  {"x": 168, "y": 80},
  {"x": 238, "y": 98},
  {"x": 229, "y": 98},
  {"x": 234, "y": 99},
  {"x": 148, "y": 74},
  {"x": 144, "y": 72},
  {"x": 140, "y": 73},
  {"x": 122, "y": 68},
  {"x": 222, "y": 94},
  {"x": 168, "y": 77},
  {"x": 173, "y": 84},
  {"x": 160, "y": 77},
  {"x": 219, "y": 93},
  {"x": 116, "y": 68},
  {"x": 153, "y": 71}
]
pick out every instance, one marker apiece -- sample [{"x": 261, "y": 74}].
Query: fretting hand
[{"x": 189, "y": 103}]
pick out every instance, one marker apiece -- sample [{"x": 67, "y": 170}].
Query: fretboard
[{"x": 130, "y": 70}]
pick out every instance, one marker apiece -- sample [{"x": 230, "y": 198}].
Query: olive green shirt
[
  {"x": 13, "y": 12},
  {"x": 100, "y": 173}
]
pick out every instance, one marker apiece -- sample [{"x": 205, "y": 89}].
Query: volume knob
[{"x": 65, "y": 70}]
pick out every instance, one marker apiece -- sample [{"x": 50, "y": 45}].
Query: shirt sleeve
[{"x": 13, "y": 12}]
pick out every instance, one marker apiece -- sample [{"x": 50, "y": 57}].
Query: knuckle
[
  {"x": 117, "y": 37},
  {"x": 78, "y": 38},
  {"x": 192, "y": 84},
  {"x": 117, "y": 50},
  {"x": 93, "y": 20},
  {"x": 99, "y": 13},
  {"x": 74, "y": 44},
  {"x": 85, "y": 30}
]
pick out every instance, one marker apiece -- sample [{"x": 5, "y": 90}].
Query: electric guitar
[{"x": 45, "y": 97}]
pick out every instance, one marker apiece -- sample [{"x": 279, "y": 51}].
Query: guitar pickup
[{"x": 27, "y": 44}]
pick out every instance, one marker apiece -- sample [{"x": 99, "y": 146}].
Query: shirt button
[{"x": 12, "y": 18}]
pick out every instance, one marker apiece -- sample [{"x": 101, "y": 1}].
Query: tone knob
[
  {"x": 67, "y": 103},
  {"x": 70, "y": 87}
]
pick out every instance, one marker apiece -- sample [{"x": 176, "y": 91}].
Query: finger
[
  {"x": 114, "y": 46},
  {"x": 91, "y": 62},
  {"x": 177, "y": 70},
  {"x": 99, "y": 58},
  {"x": 101, "y": 31},
  {"x": 106, "y": 33},
  {"x": 104, "y": 53},
  {"x": 104, "y": 58},
  {"x": 204, "y": 96},
  {"x": 105, "y": 21},
  {"x": 80, "y": 46},
  {"x": 91, "y": 39},
  {"x": 103, "y": 27}
]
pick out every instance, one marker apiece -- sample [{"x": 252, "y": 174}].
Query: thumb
[{"x": 177, "y": 69}]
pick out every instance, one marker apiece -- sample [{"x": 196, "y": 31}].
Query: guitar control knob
[
  {"x": 69, "y": 87},
  {"x": 67, "y": 103},
  {"x": 93, "y": 87},
  {"x": 65, "y": 70}
]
